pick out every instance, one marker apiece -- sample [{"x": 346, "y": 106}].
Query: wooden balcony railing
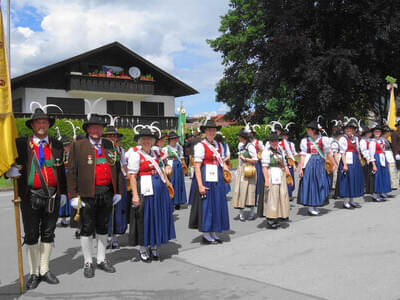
[
  {"x": 124, "y": 121},
  {"x": 109, "y": 84}
]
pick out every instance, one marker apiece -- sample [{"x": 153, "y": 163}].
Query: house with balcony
[{"x": 131, "y": 86}]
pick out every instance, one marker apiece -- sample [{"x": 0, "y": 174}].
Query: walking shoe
[
  {"x": 88, "y": 270},
  {"x": 32, "y": 282},
  {"x": 313, "y": 212},
  {"x": 242, "y": 218},
  {"x": 154, "y": 254},
  {"x": 347, "y": 205},
  {"x": 106, "y": 266},
  {"x": 251, "y": 217},
  {"x": 208, "y": 242},
  {"x": 144, "y": 257},
  {"x": 49, "y": 278},
  {"x": 355, "y": 204}
]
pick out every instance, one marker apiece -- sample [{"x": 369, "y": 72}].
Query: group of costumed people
[{"x": 102, "y": 188}]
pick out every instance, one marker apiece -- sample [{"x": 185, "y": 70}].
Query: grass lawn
[{"x": 4, "y": 183}]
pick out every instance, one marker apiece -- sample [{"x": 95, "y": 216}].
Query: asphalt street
[{"x": 342, "y": 254}]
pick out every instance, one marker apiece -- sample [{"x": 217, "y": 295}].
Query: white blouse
[
  {"x": 199, "y": 150},
  {"x": 178, "y": 150},
  {"x": 266, "y": 156},
  {"x": 343, "y": 143},
  {"x": 372, "y": 147},
  {"x": 364, "y": 149},
  {"x": 325, "y": 142},
  {"x": 252, "y": 151}
]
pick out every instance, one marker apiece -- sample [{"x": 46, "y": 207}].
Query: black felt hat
[
  {"x": 209, "y": 124},
  {"x": 95, "y": 119},
  {"x": 274, "y": 137},
  {"x": 65, "y": 141},
  {"x": 351, "y": 124},
  {"x": 39, "y": 114},
  {"x": 145, "y": 131},
  {"x": 244, "y": 133},
  {"x": 313, "y": 125},
  {"x": 172, "y": 135}
]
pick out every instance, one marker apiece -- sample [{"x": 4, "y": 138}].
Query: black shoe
[
  {"x": 178, "y": 207},
  {"x": 106, "y": 266},
  {"x": 32, "y": 282},
  {"x": 64, "y": 224},
  {"x": 154, "y": 255},
  {"x": 144, "y": 257},
  {"x": 355, "y": 204},
  {"x": 273, "y": 225},
  {"x": 218, "y": 240},
  {"x": 207, "y": 242},
  {"x": 77, "y": 234},
  {"x": 88, "y": 270},
  {"x": 49, "y": 278}
]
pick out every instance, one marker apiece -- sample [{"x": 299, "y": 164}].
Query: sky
[{"x": 169, "y": 33}]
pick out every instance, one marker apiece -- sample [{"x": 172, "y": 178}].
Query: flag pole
[
  {"x": 9, "y": 34},
  {"x": 17, "y": 201}
]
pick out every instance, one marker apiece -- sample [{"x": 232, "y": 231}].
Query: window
[
  {"x": 120, "y": 108},
  {"x": 152, "y": 109},
  {"x": 17, "y": 105},
  {"x": 68, "y": 105}
]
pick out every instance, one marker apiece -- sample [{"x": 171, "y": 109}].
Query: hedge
[{"x": 66, "y": 130}]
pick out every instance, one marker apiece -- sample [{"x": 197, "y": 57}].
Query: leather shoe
[
  {"x": 106, "y": 266},
  {"x": 49, "y": 278},
  {"x": 144, "y": 257},
  {"x": 154, "y": 255},
  {"x": 355, "y": 204},
  {"x": 88, "y": 270},
  {"x": 347, "y": 205},
  {"x": 207, "y": 242},
  {"x": 32, "y": 282}
]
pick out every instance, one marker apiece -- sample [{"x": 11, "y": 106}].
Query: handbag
[{"x": 42, "y": 201}]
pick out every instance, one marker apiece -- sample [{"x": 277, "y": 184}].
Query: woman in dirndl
[
  {"x": 174, "y": 158},
  {"x": 379, "y": 165},
  {"x": 290, "y": 152},
  {"x": 350, "y": 170},
  {"x": 244, "y": 190},
  {"x": 366, "y": 160},
  {"x": 394, "y": 176},
  {"x": 209, "y": 211},
  {"x": 226, "y": 155},
  {"x": 151, "y": 220},
  {"x": 314, "y": 184},
  {"x": 258, "y": 144},
  {"x": 275, "y": 201}
]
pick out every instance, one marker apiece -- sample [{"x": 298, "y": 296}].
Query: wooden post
[{"x": 17, "y": 201}]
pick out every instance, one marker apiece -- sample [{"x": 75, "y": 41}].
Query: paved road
[{"x": 342, "y": 254}]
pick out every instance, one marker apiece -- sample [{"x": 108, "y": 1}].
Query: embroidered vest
[
  {"x": 209, "y": 158},
  {"x": 146, "y": 167},
  {"x": 48, "y": 170},
  {"x": 103, "y": 171},
  {"x": 311, "y": 148}
]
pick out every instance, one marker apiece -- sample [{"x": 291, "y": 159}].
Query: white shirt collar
[
  {"x": 93, "y": 142},
  {"x": 36, "y": 140}
]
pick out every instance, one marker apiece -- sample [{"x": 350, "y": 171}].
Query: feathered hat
[{"x": 40, "y": 113}]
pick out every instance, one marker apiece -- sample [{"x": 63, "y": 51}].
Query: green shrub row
[{"x": 230, "y": 133}]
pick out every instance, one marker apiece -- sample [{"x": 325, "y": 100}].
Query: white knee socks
[
  {"x": 101, "y": 247},
  {"x": 45, "y": 251},
  {"x": 87, "y": 245},
  {"x": 32, "y": 252}
]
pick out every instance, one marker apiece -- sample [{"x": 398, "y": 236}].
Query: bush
[
  {"x": 231, "y": 136},
  {"x": 66, "y": 130}
]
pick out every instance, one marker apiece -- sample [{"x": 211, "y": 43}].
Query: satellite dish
[{"x": 134, "y": 72}]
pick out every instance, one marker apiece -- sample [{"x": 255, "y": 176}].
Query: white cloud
[{"x": 155, "y": 29}]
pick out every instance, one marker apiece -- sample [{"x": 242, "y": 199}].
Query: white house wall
[{"x": 40, "y": 95}]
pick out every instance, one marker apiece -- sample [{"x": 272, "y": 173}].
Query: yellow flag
[
  {"x": 8, "y": 128},
  {"x": 392, "y": 111}
]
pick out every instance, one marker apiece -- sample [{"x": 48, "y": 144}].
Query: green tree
[{"x": 333, "y": 54}]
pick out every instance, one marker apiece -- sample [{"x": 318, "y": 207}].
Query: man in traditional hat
[
  {"x": 93, "y": 187},
  {"x": 41, "y": 186},
  {"x": 119, "y": 220}
]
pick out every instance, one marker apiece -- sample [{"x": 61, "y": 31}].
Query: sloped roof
[{"x": 175, "y": 86}]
